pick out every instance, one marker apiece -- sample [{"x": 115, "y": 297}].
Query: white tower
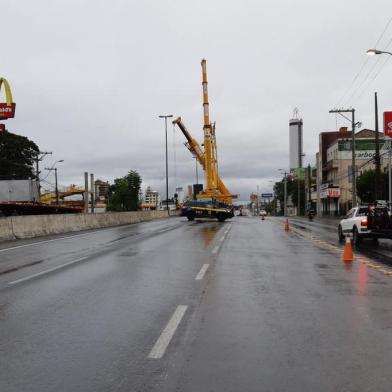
[{"x": 296, "y": 141}]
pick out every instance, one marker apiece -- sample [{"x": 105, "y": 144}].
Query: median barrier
[
  {"x": 30, "y": 226},
  {"x": 6, "y": 232},
  {"x": 39, "y": 225}
]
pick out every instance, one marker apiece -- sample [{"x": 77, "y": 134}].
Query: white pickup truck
[
  {"x": 366, "y": 222},
  {"x": 354, "y": 223}
]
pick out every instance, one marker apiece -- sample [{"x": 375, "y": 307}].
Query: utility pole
[
  {"x": 55, "y": 178},
  {"x": 92, "y": 192},
  {"x": 56, "y": 185},
  {"x": 38, "y": 158},
  {"x": 377, "y": 192},
  {"x": 353, "y": 125},
  {"x": 299, "y": 191},
  {"x": 85, "y": 192},
  {"x": 309, "y": 186}
]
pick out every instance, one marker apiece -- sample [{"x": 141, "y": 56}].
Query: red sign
[
  {"x": 388, "y": 124},
  {"x": 7, "y": 111}
]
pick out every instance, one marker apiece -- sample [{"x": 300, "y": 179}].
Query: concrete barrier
[
  {"x": 39, "y": 225},
  {"x": 6, "y": 232}
]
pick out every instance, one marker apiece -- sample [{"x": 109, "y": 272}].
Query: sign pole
[
  {"x": 389, "y": 173},
  {"x": 388, "y": 134}
]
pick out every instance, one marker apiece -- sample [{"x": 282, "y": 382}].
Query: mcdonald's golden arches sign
[{"x": 7, "y": 109}]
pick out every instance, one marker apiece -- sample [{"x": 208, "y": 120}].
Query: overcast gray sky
[{"x": 91, "y": 77}]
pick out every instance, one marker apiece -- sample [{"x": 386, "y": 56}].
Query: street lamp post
[
  {"x": 166, "y": 116},
  {"x": 372, "y": 52}
]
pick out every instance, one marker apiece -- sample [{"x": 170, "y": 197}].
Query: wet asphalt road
[
  {"x": 173, "y": 305},
  {"x": 326, "y": 229}
]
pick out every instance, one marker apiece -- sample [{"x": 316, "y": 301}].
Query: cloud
[{"x": 90, "y": 80}]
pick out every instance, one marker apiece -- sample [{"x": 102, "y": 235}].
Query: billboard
[
  {"x": 329, "y": 192},
  {"x": 388, "y": 124},
  {"x": 299, "y": 173}
]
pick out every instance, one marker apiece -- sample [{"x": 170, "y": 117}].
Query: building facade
[
  {"x": 152, "y": 200},
  {"x": 101, "y": 189},
  {"x": 334, "y": 167}
]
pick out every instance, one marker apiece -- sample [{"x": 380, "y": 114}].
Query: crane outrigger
[{"x": 215, "y": 200}]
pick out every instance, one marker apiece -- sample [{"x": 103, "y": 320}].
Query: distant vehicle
[
  {"x": 207, "y": 209},
  {"x": 263, "y": 213},
  {"x": 311, "y": 214},
  {"x": 244, "y": 212},
  {"x": 366, "y": 222}
]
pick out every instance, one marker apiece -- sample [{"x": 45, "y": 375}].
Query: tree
[
  {"x": 17, "y": 154},
  {"x": 366, "y": 185},
  {"x": 124, "y": 193},
  {"x": 292, "y": 192}
]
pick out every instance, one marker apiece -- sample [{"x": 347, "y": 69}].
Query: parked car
[
  {"x": 355, "y": 223},
  {"x": 366, "y": 222}
]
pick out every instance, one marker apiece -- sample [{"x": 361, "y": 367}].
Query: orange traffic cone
[
  {"x": 348, "y": 251},
  {"x": 286, "y": 225}
]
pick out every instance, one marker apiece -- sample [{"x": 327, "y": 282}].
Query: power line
[
  {"x": 377, "y": 72},
  {"x": 363, "y": 66}
]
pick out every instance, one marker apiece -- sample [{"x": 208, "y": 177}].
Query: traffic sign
[
  {"x": 388, "y": 124},
  {"x": 266, "y": 195}
]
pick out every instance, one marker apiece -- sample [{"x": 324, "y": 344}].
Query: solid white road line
[
  {"x": 215, "y": 250},
  {"x": 201, "y": 273},
  {"x": 222, "y": 239},
  {"x": 62, "y": 238},
  {"x": 167, "y": 334},
  {"x": 46, "y": 241},
  {"x": 46, "y": 271}
]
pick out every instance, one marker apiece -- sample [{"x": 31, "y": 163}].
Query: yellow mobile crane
[{"x": 215, "y": 201}]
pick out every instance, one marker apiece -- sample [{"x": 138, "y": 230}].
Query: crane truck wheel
[
  {"x": 221, "y": 218},
  {"x": 191, "y": 218}
]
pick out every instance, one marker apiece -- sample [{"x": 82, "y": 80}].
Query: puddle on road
[
  {"x": 129, "y": 253},
  {"x": 208, "y": 234},
  {"x": 323, "y": 266}
]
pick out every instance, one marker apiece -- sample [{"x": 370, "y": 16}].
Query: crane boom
[
  {"x": 209, "y": 138},
  {"x": 215, "y": 201},
  {"x": 195, "y": 149}
]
